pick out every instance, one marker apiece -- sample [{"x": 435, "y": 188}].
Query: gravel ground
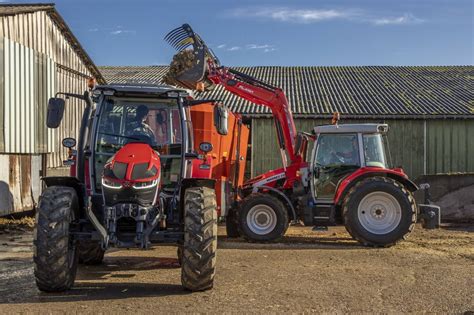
[{"x": 433, "y": 271}]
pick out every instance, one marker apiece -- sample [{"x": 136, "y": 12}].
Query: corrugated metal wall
[
  {"x": 28, "y": 81},
  {"x": 449, "y": 145},
  {"x": 73, "y": 83},
  {"x": 36, "y": 30},
  {"x": 38, "y": 62}
]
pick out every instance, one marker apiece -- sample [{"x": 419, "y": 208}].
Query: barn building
[
  {"x": 39, "y": 56},
  {"x": 430, "y": 110}
]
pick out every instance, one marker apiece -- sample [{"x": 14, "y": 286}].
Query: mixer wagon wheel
[{"x": 232, "y": 224}]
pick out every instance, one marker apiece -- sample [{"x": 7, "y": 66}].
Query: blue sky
[{"x": 299, "y": 32}]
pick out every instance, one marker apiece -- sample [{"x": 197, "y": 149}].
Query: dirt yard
[{"x": 433, "y": 271}]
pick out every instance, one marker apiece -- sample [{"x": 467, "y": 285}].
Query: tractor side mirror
[
  {"x": 55, "y": 112},
  {"x": 221, "y": 116}
]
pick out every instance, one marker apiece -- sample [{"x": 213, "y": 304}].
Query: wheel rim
[
  {"x": 379, "y": 213},
  {"x": 261, "y": 219}
]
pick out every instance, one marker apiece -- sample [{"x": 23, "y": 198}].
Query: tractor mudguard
[
  {"x": 280, "y": 195},
  {"x": 396, "y": 174},
  {"x": 198, "y": 182},
  {"x": 67, "y": 181}
]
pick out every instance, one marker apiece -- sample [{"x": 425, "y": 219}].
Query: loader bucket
[{"x": 189, "y": 65}]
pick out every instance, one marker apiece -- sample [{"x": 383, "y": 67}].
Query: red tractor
[
  {"x": 347, "y": 180},
  {"x": 136, "y": 180}
]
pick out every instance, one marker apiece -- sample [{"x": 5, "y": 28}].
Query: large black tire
[
  {"x": 200, "y": 239},
  {"x": 90, "y": 252},
  {"x": 232, "y": 224},
  {"x": 55, "y": 252},
  {"x": 273, "y": 213},
  {"x": 379, "y": 222}
]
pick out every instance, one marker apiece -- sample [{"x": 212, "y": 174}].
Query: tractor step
[{"x": 320, "y": 214}]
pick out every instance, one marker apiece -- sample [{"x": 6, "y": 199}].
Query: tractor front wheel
[
  {"x": 379, "y": 212},
  {"x": 198, "y": 260},
  {"x": 55, "y": 252},
  {"x": 263, "y": 218},
  {"x": 90, "y": 253}
]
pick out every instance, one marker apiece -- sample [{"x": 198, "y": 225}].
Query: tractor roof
[
  {"x": 141, "y": 89},
  {"x": 352, "y": 128}
]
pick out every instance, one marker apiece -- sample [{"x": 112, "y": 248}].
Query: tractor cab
[
  {"x": 342, "y": 149},
  {"x": 154, "y": 119}
]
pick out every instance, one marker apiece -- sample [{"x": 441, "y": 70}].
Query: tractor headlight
[
  {"x": 110, "y": 184},
  {"x": 145, "y": 185}
]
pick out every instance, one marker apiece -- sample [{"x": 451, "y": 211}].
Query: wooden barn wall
[{"x": 449, "y": 146}]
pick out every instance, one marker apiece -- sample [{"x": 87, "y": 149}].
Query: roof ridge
[{"x": 27, "y": 4}]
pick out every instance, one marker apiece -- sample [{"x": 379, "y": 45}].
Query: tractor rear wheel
[
  {"x": 55, "y": 252},
  {"x": 200, "y": 239},
  {"x": 90, "y": 253},
  {"x": 232, "y": 224},
  {"x": 263, "y": 218},
  {"x": 379, "y": 212}
]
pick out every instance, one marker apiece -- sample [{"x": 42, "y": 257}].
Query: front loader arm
[
  {"x": 263, "y": 94},
  {"x": 199, "y": 68}
]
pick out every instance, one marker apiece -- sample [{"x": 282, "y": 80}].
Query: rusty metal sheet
[{"x": 19, "y": 182}]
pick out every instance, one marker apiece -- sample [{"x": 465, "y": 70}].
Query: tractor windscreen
[
  {"x": 338, "y": 150},
  {"x": 155, "y": 122},
  {"x": 374, "y": 150}
]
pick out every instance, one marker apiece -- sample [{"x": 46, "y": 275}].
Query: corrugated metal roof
[
  {"x": 439, "y": 91},
  {"x": 14, "y": 9}
]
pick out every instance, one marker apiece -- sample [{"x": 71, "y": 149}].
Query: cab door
[{"x": 335, "y": 156}]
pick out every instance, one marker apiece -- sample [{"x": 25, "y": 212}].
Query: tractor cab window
[
  {"x": 337, "y": 150},
  {"x": 155, "y": 122},
  {"x": 374, "y": 150}
]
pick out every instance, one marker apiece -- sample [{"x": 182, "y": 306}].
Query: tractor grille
[{"x": 119, "y": 170}]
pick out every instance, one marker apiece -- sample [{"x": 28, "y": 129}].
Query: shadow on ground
[
  {"x": 292, "y": 242},
  {"x": 17, "y": 283}
]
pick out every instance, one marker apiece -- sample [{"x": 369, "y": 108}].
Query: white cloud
[
  {"x": 294, "y": 15},
  {"x": 93, "y": 30},
  {"x": 255, "y": 46},
  {"x": 307, "y": 16},
  {"x": 118, "y": 32},
  {"x": 407, "y": 18}
]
